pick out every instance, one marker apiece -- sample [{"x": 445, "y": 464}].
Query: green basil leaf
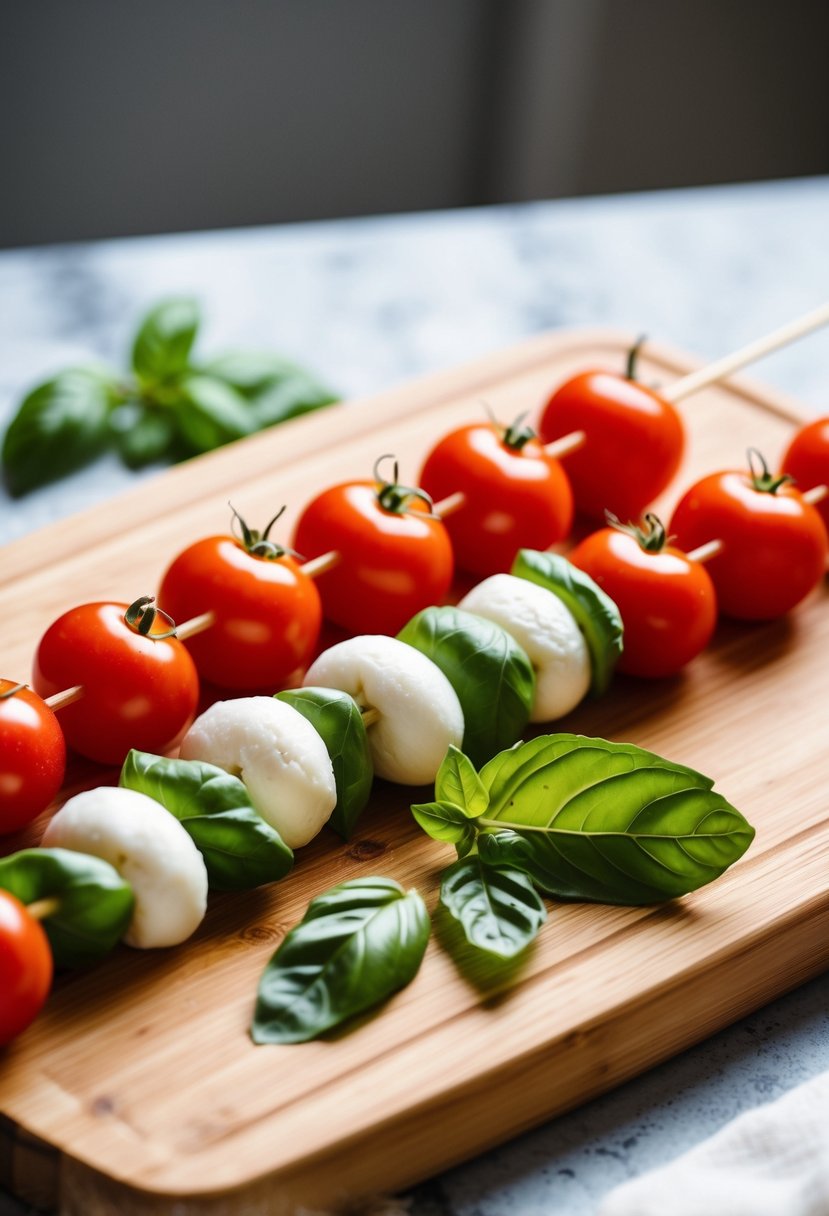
[
  {"x": 94, "y": 904},
  {"x": 589, "y": 819},
  {"x": 337, "y": 719},
  {"x": 209, "y": 413},
  {"x": 457, "y": 782},
  {"x": 143, "y": 434},
  {"x": 60, "y": 426},
  {"x": 239, "y": 848},
  {"x": 357, "y": 944},
  {"x": 251, "y": 373},
  {"x": 498, "y": 908},
  {"x": 299, "y": 394},
  {"x": 489, "y": 671},
  {"x": 161, "y": 350},
  {"x": 445, "y": 821},
  {"x": 595, "y": 612}
]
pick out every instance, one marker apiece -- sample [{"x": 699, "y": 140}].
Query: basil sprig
[
  {"x": 93, "y": 904},
  {"x": 595, "y": 613},
  {"x": 358, "y": 943},
  {"x": 337, "y": 720},
  {"x": 169, "y": 407},
  {"x": 239, "y": 848}
]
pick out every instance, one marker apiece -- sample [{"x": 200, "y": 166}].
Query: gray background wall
[{"x": 121, "y": 117}]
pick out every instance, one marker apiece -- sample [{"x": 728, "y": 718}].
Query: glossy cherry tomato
[
  {"x": 807, "y": 461},
  {"x": 774, "y": 544},
  {"x": 139, "y": 691},
  {"x": 667, "y": 603},
  {"x": 394, "y": 555},
  {"x": 515, "y": 496},
  {"x": 32, "y": 756},
  {"x": 25, "y": 967},
  {"x": 633, "y": 447},
  {"x": 268, "y": 613}
]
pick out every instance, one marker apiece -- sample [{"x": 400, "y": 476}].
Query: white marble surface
[{"x": 369, "y": 303}]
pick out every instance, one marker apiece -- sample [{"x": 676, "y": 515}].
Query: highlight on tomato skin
[
  {"x": 32, "y": 756},
  {"x": 807, "y": 460},
  {"x": 633, "y": 448},
  {"x": 138, "y": 691},
  {"x": 25, "y": 968},
  {"x": 774, "y": 544},
  {"x": 515, "y": 495},
  {"x": 667, "y": 602}
]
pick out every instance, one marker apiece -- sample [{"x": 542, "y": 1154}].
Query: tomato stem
[
  {"x": 141, "y": 616},
  {"x": 518, "y": 433},
  {"x": 763, "y": 481},
  {"x": 391, "y": 495},
  {"x": 651, "y": 537},
  {"x": 633, "y": 355},
  {"x": 259, "y": 544}
]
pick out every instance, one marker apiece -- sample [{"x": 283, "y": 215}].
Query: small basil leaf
[
  {"x": 299, "y": 394},
  {"x": 337, "y": 719},
  {"x": 240, "y": 849},
  {"x": 251, "y": 373},
  {"x": 588, "y": 819},
  {"x": 357, "y": 944},
  {"x": 498, "y": 908},
  {"x": 210, "y": 413},
  {"x": 94, "y": 904},
  {"x": 489, "y": 671},
  {"x": 458, "y": 783},
  {"x": 143, "y": 434},
  {"x": 444, "y": 821},
  {"x": 596, "y": 614},
  {"x": 60, "y": 426},
  {"x": 161, "y": 350}
]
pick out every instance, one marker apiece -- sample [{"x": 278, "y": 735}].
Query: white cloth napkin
[{"x": 771, "y": 1161}]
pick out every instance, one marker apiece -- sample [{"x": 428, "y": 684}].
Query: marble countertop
[{"x": 370, "y": 303}]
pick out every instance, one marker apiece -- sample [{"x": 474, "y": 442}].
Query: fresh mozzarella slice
[
  {"x": 278, "y": 755},
  {"x": 150, "y": 850},
  {"x": 547, "y": 630},
  {"x": 418, "y": 711}
]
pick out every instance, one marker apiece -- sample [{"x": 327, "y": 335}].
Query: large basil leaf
[
  {"x": 357, "y": 944},
  {"x": 60, "y": 426},
  {"x": 239, "y": 848},
  {"x": 161, "y": 351},
  {"x": 489, "y": 671},
  {"x": 498, "y": 908},
  {"x": 337, "y": 719},
  {"x": 210, "y": 413},
  {"x": 588, "y": 819},
  {"x": 595, "y": 612},
  {"x": 94, "y": 904}
]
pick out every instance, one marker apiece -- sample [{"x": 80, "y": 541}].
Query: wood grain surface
[{"x": 138, "y": 1091}]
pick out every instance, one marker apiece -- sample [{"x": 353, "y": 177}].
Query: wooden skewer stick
[
  {"x": 41, "y": 908},
  {"x": 721, "y": 368},
  {"x": 815, "y": 495},
  {"x": 196, "y": 624},
  {"x": 61, "y": 699},
  {"x": 370, "y": 716},
  {"x": 565, "y": 444}
]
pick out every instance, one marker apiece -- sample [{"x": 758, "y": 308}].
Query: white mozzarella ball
[
  {"x": 547, "y": 630},
  {"x": 279, "y": 756},
  {"x": 419, "y": 711},
  {"x": 150, "y": 850}
]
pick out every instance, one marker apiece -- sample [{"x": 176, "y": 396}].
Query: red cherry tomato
[
  {"x": 25, "y": 967},
  {"x": 807, "y": 461},
  {"x": 268, "y": 613},
  {"x": 633, "y": 447},
  {"x": 515, "y": 496},
  {"x": 395, "y": 557},
  {"x": 667, "y": 603},
  {"x": 138, "y": 691},
  {"x": 32, "y": 756},
  {"x": 774, "y": 544}
]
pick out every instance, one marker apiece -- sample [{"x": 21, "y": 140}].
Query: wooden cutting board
[{"x": 138, "y": 1091}]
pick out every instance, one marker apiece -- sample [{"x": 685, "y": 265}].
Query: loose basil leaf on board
[
  {"x": 588, "y": 819},
  {"x": 337, "y": 719},
  {"x": 358, "y": 943},
  {"x": 239, "y": 848},
  {"x": 60, "y": 426},
  {"x": 596, "y": 614},
  {"x": 489, "y": 671},
  {"x": 498, "y": 908},
  {"x": 209, "y": 413},
  {"x": 458, "y": 782},
  {"x": 94, "y": 904},
  {"x": 445, "y": 821},
  {"x": 161, "y": 350}
]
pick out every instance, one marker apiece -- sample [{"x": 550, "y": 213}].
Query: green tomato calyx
[
  {"x": 394, "y": 497},
  {"x": 141, "y": 616},
  {"x": 259, "y": 544},
  {"x": 650, "y": 536},
  {"x": 762, "y": 480}
]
